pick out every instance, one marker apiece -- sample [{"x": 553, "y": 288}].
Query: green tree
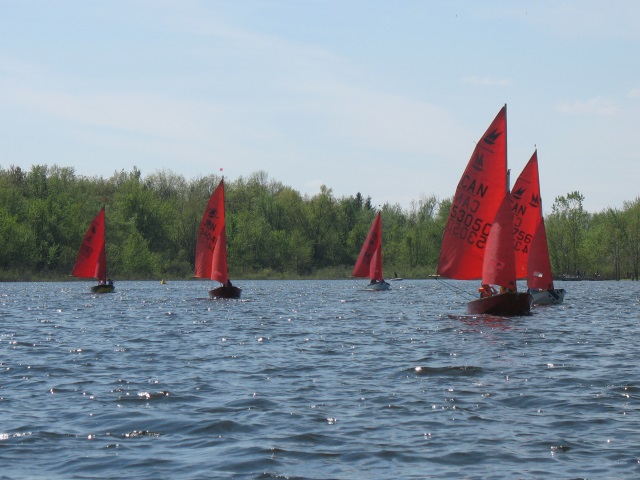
[{"x": 566, "y": 229}]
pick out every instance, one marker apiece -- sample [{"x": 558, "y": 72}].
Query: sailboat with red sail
[
  {"x": 91, "y": 261},
  {"x": 530, "y": 237},
  {"x": 211, "y": 247},
  {"x": 478, "y": 236},
  {"x": 369, "y": 262}
]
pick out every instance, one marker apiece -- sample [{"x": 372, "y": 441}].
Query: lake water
[{"x": 316, "y": 380}]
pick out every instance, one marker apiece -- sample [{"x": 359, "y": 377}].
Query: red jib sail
[
  {"x": 211, "y": 248},
  {"x": 369, "y": 263},
  {"x": 91, "y": 261},
  {"x": 527, "y": 212},
  {"x": 478, "y": 196},
  {"x": 499, "y": 265},
  {"x": 539, "y": 265}
]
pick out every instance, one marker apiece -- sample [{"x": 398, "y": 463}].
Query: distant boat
[
  {"x": 91, "y": 261},
  {"x": 478, "y": 237},
  {"x": 369, "y": 263},
  {"x": 211, "y": 248},
  {"x": 530, "y": 237}
]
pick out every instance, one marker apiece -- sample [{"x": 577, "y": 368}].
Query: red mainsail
[
  {"x": 369, "y": 263},
  {"x": 530, "y": 236},
  {"x": 91, "y": 261},
  {"x": 211, "y": 248},
  {"x": 527, "y": 212},
  {"x": 499, "y": 265},
  {"x": 478, "y": 195}
]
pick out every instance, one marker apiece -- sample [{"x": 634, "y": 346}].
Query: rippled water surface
[{"x": 316, "y": 380}]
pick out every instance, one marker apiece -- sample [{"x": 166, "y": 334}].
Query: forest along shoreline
[{"x": 273, "y": 231}]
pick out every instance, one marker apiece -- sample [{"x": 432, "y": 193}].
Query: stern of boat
[{"x": 548, "y": 297}]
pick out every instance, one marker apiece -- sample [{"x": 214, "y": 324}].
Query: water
[{"x": 316, "y": 380}]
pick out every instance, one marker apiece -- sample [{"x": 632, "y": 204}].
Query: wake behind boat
[
  {"x": 478, "y": 237},
  {"x": 91, "y": 261},
  {"x": 369, "y": 263},
  {"x": 211, "y": 248}
]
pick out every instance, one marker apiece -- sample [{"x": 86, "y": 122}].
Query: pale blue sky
[{"x": 385, "y": 98}]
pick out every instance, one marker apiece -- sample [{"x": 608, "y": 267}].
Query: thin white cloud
[
  {"x": 592, "y": 106},
  {"x": 634, "y": 93}
]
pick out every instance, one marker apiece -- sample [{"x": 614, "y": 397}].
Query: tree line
[{"x": 272, "y": 230}]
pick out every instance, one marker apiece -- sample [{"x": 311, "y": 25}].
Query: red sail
[
  {"x": 91, "y": 261},
  {"x": 539, "y": 265},
  {"x": 369, "y": 261},
  {"x": 499, "y": 266},
  {"x": 478, "y": 195},
  {"x": 527, "y": 212},
  {"x": 211, "y": 249},
  {"x": 375, "y": 269}
]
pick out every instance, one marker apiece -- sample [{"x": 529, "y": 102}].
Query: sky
[{"x": 385, "y": 98}]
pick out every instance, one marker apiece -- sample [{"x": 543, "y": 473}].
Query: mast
[{"x": 506, "y": 151}]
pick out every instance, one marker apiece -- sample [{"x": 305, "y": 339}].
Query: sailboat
[
  {"x": 211, "y": 248},
  {"x": 91, "y": 261},
  {"x": 530, "y": 237},
  {"x": 369, "y": 263},
  {"x": 478, "y": 236}
]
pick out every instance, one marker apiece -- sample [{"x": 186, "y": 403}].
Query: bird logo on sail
[
  {"x": 535, "y": 200},
  {"x": 492, "y": 136},
  {"x": 517, "y": 194},
  {"x": 478, "y": 162}
]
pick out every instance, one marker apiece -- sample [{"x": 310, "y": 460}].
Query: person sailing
[{"x": 487, "y": 290}]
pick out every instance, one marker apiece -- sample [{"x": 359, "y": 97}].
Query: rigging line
[{"x": 458, "y": 290}]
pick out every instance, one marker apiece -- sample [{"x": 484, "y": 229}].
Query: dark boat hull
[
  {"x": 102, "y": 289},
  {"x": 548, "y": 297},
  {"x": 503, "y": 304},
  {"x": 225, "y": 292}
]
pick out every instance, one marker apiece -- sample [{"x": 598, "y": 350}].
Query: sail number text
[{"x": 464, "y": 224}]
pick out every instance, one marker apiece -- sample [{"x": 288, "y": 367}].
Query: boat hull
[
  {"x": 503, "y": 304},
  {"x": 548, "y": 297},
  {"x": 102, "y": 289},
  {"x": 225, "y": 292},
  {"x": 378, "y": 286}
]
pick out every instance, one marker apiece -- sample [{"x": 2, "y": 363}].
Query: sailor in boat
[
  {"x": 487, "y": 290},
  {"x": 109, "y": 282}
]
